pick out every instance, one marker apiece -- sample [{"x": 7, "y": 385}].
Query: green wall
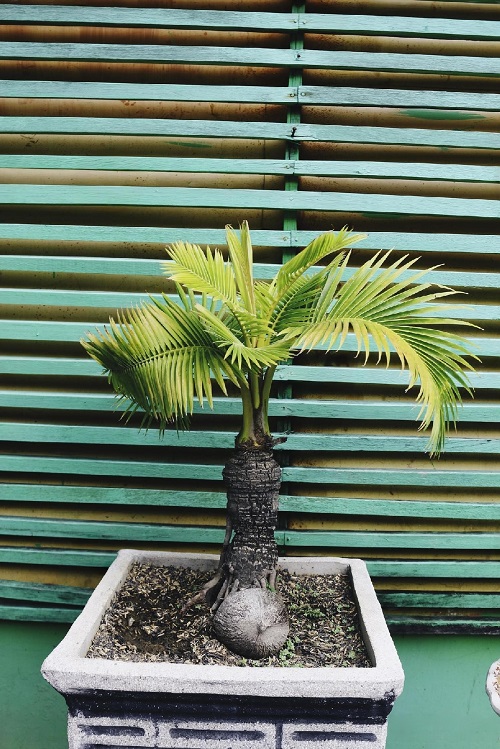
[{"x": 444, "y": 705}]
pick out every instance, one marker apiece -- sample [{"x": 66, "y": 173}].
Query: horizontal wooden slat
[
  {"x": 418, "y": 242},
  {"x": 56, "y": 557},
  {"x": 232, "y": 20},
  {"x": 470, "y": 412},
  {"x": 403, "y": 26},
  {"x": 305, "y": 95},
  {"x": 63, "y": 528},
  {"x": 441, "y": 600},
  {"x": 90, "y": 435},
  {"x": 117, "y": 299},
  {"x": 66, "y": 494},
  {"x": 125, "y": 266},
  {"x": 41, "y": 330},
  {"x": 382, "y": 568},
  {"x": 353, "y": 540},
  {"x": 39, "y": 614},
  {"x": 432, "y": 624},
  {"x": 60, "y": 366},
  {"x": 420, "y": 478},
  {"x": 41, "y": 592},
  {"x": 261, "y": 57},
  {"x": 171, "y": 18},
  {"x": 434, "y": 568},
  {"x": 367, "y": 169},
  {"x": 249, "y": 130},
  {"x": 14, "y": 194},
  {"x": 59, "y": 528},
  {"x": 82, "y": 90},
  {"x": 398, "y": 98}
]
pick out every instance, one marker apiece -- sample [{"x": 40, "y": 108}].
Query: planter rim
[
  {"x": 491, "y": 685},
  {"x": 69, "y": 671}
]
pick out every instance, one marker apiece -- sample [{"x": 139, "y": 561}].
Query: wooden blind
[{"x": 129, "y": 126}]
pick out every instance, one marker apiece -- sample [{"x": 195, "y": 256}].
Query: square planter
[
  {"x": 493, "y": 686},
  {"x": 176, "y": 706}
]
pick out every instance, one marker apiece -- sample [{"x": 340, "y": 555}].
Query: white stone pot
[
  {"x": 176, "y": 706},
  {"x": 493, "y": 686}
]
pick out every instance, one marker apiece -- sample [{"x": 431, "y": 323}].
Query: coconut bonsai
[{"x": 226, "y": 327}]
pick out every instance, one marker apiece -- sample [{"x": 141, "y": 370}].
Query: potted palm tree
[{"x": 227, "y": 329}]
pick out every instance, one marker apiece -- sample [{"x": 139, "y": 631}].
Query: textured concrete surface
[
  {"x": 492, "y": 681},
  {"x": 174, "y": 706},
  {"x": 67, "y": 668},
  {"x": 87, "y": 733}
]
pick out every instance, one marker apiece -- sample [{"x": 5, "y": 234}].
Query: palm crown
[{"x": 227, "y": 326}]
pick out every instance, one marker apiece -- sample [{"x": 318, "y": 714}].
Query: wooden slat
[
  {"x": 127, "y": 266},
  {"x": 56, "y": 557},
  {"x": 261, "y": 57},
  {"x": 249, "y": 130},
  {"x": 117, "y": 299},
  {"x": 412, "y": 242},
  {"x": 90, "y": 435},
  {"x": 420, "y": 478},
  {"x": 15, "y": 194},
  {"x": 432, "y": 624},
  {"x": 41, "y": 330},
  {"x": 61, "y": 366},
  {"x": 441, "y": 27},
  {"x": 55, "y": 615},
  {"x": 353, "y": 540},
  {"x": 402, "y": 26},
  {"x": 171, "y": 18},
  {"x": 441, "y": 600},
  {"x": 422, "y": 569},
  {"x": 114, "y": 496},
  {"x": 433, "y": 569},
  {"x": 41, "y": 592},
  {"x": 366, "y": 169},
  {"x": 82, "y": 90},
  {"x": 398, "y": 98},
  {"x": 62, "y": 528},
  {"x": 305, "y": 95}
]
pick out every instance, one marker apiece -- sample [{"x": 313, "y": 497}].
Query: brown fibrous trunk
[
  {"x": 252, "y": 478},
  {"x": 249, "y": 616}
]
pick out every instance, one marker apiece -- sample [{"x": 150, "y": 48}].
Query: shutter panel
[{"x": 127, "y": 128}]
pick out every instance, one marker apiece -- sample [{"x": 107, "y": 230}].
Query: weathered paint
[
  {"x": 404, "y": 514},
  {"x": 433, "y": 665}
]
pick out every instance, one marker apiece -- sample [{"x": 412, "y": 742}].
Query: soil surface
[{"x": 144, "y": 622}]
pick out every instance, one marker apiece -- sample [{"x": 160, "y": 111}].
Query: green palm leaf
[
  {"x": 159, "y": 358},
  {"x": 164, "y": 356}
]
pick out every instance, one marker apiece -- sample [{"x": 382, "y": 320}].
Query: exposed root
[
  {"x": 208, "y": 591},
  {"x": 219, "y": 587}
]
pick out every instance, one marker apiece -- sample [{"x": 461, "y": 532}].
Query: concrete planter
[
  {"x": 175, "y": 706},
  {"x": 492, "y": 686}
]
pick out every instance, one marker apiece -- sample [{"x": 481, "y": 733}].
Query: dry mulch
[{"x": 144, "y": 623}]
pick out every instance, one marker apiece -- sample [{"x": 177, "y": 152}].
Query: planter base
[
  {"x": 176, "y": 706},
  {"x": 155, "y": 721},
  {"x": 492, "y": 682}
]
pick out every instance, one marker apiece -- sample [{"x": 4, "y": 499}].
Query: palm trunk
[
  {"x": 252, "y": 478},
  {"x": 251, "y": 618}
]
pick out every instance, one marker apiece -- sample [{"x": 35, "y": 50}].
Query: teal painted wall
[{"x": 444, "y": 705}]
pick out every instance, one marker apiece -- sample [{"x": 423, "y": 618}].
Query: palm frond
[
  {"x": 391, "y": 315},
  {"x": 202, "y": 271},
  {"x": 317, "y": 250},
  {"x": 241, "y": 255},
  {"x": 159, "y": 358},
  {"x": 254, "y": 358}
]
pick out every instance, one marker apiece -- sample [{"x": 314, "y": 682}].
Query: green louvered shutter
[{"x": 125, "y": 128}]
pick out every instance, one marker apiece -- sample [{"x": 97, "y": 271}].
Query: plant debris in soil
[{"x": 144, "y": 622}]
